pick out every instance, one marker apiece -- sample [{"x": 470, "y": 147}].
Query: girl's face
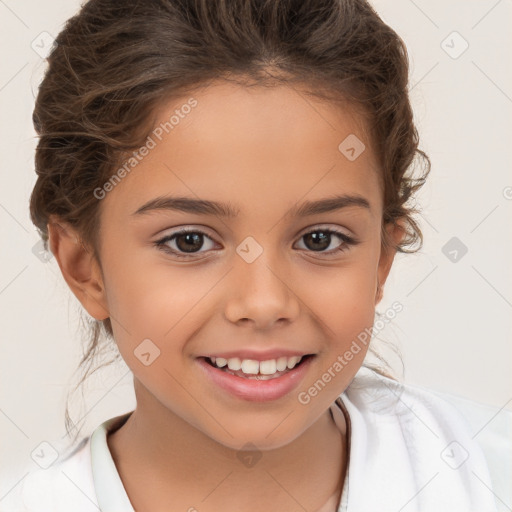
[{"x": 273, "y": 276}]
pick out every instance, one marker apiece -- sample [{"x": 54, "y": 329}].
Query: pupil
[
  {"x": 323, "y": 239},
  {"x": 193, "y": 241}
]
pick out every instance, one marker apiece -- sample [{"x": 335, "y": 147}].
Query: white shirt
[{"x": 409, "y": 450}]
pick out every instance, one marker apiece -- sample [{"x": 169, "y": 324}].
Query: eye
[
  {"x": 188, "y": 242},
  {"x": 320, "y": 239}
]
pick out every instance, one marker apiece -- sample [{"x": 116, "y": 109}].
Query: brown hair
[{"x": 115, "y": 62}]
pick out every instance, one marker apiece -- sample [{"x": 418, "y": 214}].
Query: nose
[{"x": 261, "y": 294}]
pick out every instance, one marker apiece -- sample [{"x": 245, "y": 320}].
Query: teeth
[
  {"x": 234, "y": 364},
  {"x": 250, "y": 366},
  {"x": 292, "y": 361},
  {"x": 282, "y": 363},
  {"x": 268, "y": 367},
  {"x": 253, "y": 367}
]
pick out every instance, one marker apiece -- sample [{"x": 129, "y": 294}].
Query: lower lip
[{"x": 256, "y": 390}]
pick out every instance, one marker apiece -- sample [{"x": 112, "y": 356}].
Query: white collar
[{"x": 110, "y": 492}]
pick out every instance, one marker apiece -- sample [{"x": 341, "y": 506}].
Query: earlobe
[{"x": 79, "y": 268}]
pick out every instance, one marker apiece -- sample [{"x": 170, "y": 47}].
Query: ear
[
  {"x": 396, "y": 233},
  {"x": 79, "y": 268}
]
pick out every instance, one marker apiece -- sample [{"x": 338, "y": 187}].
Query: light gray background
[{"x": 455, "y": 329}]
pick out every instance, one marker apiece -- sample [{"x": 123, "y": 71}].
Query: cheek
[
  {"x": 343, "y": 306},
  {"x": 156, "y": 302},
  {"x": 343, "y": 299}
]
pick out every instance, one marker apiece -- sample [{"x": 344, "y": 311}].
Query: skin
[{"x": 263, "y": 151}]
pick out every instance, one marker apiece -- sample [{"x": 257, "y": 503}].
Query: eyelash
[{"x": 161, "y": 244}]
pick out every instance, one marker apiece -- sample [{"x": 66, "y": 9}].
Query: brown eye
[
  {"x": 316, "y": 241},
  {"x": 189, "y": 242},
  {"x": 186, "y": 242},
  {"x": 321, "y": 239}
]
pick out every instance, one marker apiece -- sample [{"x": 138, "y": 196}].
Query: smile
[{"x": 255, "y": 380}]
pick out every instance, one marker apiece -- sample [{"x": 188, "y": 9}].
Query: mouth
[{"x": 256, "y": 381}]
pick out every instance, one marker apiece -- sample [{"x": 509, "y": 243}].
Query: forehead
[{"x": 253, "y": 147}]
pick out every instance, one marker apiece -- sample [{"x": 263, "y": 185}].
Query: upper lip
[{"x": 261, "y": 355}]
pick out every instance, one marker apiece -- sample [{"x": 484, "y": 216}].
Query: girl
[{"x": 224, "y": 185}]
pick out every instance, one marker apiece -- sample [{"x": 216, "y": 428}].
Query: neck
[{"x": 158, "y": 450}]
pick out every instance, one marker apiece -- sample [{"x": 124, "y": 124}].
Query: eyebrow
[{"x": 205, "y": 207}]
